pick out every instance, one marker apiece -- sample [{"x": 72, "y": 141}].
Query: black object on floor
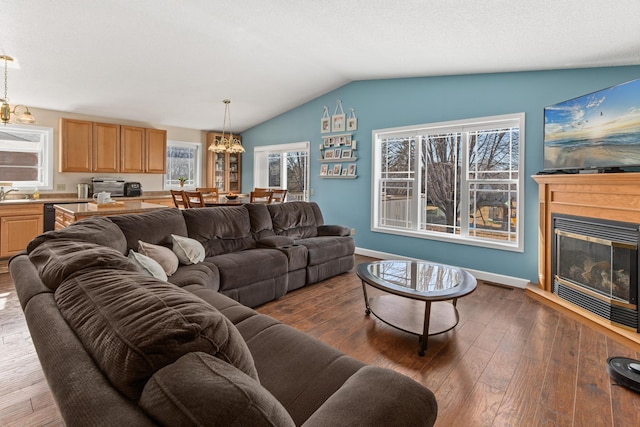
[{"x": 625, "y": 372}]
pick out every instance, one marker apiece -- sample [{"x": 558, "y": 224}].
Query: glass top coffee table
[{"x": 418, "y": 297}]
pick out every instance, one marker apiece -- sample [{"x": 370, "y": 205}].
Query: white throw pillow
[
  {"x": 147, "y": 265},
  {"x": 164, "y": 256},
  {"x": 188, "y": 251}
]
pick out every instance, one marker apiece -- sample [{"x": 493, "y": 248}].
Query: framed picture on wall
[
  {"x": 327, "y": 142},
  {"x": 338, "y": 122},
  {"x": 328, "y": 154},
  {"x": 325, "y": 125},
  {"x": 351, "y": 169},
  {"x": 337, "y": 168},
  {"x": 324, "y": 169},
  {"x": 344, "y": 172},
  {"x": 346, "y": 154},
  {"x": 336, "y": 153}
]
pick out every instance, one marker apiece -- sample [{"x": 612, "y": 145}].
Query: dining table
[{"x": 223, "y": 201}]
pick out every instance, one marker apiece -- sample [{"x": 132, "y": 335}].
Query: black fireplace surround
[{"x": 595, "y": 266}]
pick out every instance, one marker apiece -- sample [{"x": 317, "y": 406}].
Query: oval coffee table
[{"x": 418, "y": 297}]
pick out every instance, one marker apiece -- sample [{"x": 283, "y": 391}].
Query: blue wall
[{"x": 399, "y": 102}]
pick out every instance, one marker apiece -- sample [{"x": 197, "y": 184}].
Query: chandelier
[
  {"x": 5, "y": 110},
  {"x": 225, "y": 144}
]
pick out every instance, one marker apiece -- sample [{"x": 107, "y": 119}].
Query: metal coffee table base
[{"x": 422, "y": 318}]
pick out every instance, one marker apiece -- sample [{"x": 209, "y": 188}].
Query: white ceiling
[{"x": 172, "y": 62}]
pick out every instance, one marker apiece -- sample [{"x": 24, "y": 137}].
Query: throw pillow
[
  {"x": 200, "y": 389},
  {"x": 189, "y": 251},
  {"x": 164, "y": 256},
  {"x": 147, "y": 265},
  {"x": 132, "y": 325}
]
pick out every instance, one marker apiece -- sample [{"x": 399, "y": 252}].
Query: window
[
  {"x": 183, "y": 160},
  {"x": 283, "y": 166},
  {"x": 454, "y": 181},
  {"x": 26, "y": 156}
]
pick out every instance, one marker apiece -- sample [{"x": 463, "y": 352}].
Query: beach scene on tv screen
[{"x": 601, "y": 129}]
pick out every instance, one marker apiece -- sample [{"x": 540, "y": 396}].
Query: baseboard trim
[{"x": 502, "y": 279}]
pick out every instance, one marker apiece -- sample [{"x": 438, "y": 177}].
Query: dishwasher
[{"x": 50, "y": 215}]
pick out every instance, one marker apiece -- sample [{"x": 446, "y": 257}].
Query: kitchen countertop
[
  {"x": 127, "y": 206},
  {"x": 71, "y": 199}
]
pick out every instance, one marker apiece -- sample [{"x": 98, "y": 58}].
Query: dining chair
[
  {"x": 179, "y": 199},
  {"x": 278, "y": 196},
  {"x": 260, "y": 189},
  {"x": 208, "y": 192},
  {"x": 194, "y": 199},
  {"x": 260, "y": 197}
]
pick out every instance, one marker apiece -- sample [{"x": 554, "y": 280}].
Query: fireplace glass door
[{"x": 595, "y": 264}]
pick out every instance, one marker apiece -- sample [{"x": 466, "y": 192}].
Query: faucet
[{"x": 3, "y": 194}]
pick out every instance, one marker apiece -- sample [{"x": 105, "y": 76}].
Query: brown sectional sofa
[{"x": 120, "y": 347}]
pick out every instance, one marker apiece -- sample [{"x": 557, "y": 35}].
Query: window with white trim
[
  {"x": 26, "y": 156},
  {"x": 184, "y": 159},
  {"x": 459, "y": 181},
  {"x": 284, "y": 166}
]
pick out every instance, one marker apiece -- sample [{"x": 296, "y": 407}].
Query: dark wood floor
[{"x": 511, "y": 361}]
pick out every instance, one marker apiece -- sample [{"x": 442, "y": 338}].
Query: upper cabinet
[
  {"x": 223, "y": 169},
  {"x": 103, "y": 147},
  {"x": 106, "y": 147},
  {"x": 76, "y": 147},
  {"x": 156, "y": 150}
]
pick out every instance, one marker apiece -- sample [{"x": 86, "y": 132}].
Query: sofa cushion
[
  {"x": 155, "y": 227},
  {"x": 203, "y": 274},
  {"x": 189, "y": 251},
  {"x": 326, "y": 248},
  {"x": 133, "y": 325},
  {"x": 261, "y": 225},
  {"x": 199, "y": 390},
  {"x": 58, "y": 259},
  {"x": 221, "y": 230},
  {"x": 162, "y": 255},
  {"x": 239, "y": 269},
  {"x": 147, "y": 265},
  {"x": 294, "y": 219},
  {"x": 99, "y": 230}
]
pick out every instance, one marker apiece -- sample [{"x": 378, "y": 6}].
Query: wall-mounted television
[{"x": 598, "y": 131}]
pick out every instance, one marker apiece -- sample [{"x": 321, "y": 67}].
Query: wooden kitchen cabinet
[
  {"x": 105, "y": 147},
  {"x": 223, "y": 169},
  {"x": 143, "y": 150},
  {"x": 76, "y": 146},
  {"x": 19, "y": 224},
  {"x": 156, "y": 150},
  {"x": 89, "y": 146}
]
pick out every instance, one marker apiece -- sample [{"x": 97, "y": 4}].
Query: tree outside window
[{"x": 458, "y": 181}]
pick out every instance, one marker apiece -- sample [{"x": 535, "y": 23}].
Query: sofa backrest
[
  {"x": 96, "y": 229},
  {"x": 261, "y": 224},
  {"x": 297, "y": 220},
  {"x": 155, "y": 227},
  {"x": 220, "y": 229}
]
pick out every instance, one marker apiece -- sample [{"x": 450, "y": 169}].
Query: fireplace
[{"x": 595, "y": 266}]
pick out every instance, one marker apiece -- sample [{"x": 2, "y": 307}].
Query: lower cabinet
[{"x": 18, "y": 225}]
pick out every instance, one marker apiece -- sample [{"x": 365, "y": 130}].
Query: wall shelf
[
  {"x": 339, "y": 177},
  {"x": 343, "y": 159}
]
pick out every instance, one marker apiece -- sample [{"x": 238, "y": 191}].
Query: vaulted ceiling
[{"x": 172, "y": 62}]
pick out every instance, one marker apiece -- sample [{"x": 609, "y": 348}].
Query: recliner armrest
[
  {"x": 333, "y": 230},
  {"x": 275, "y": 241},
  {"x": 376, "y": 396}
]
